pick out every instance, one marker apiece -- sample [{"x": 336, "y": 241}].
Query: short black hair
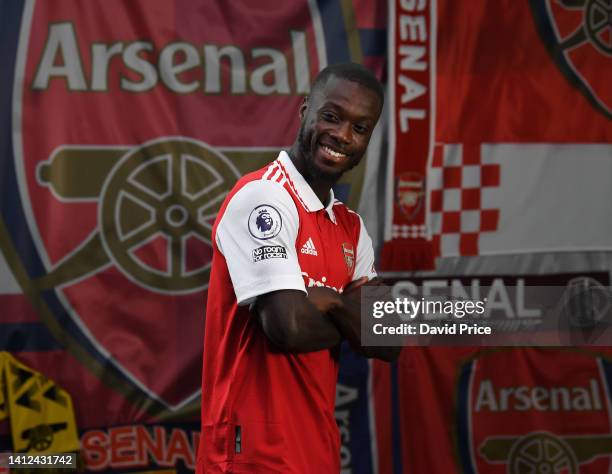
[{"x": 351, "y": 72}]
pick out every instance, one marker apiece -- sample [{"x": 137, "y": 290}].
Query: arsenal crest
[
  {"x": 507, "y": 422},
  {"x": 349, "y": 256},
  {"x": 409, "y": 193},
  {"x": 578, "y": 35},
  {"x": 119, "y": 218}
]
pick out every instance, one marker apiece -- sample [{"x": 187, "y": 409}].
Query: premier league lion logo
[{"x": 264, "y": 221}]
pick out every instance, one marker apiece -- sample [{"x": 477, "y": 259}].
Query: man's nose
[{"x": 343, "y": 133}]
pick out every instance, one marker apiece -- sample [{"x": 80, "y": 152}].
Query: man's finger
[{"x": 356, "y": 284}]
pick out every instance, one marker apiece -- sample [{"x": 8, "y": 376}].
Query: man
[{"x": 287, "y": 266}]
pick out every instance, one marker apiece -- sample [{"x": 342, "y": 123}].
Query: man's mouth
[{"x": 332, "y": 154}]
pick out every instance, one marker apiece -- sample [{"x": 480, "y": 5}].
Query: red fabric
[
  {"x": 383, "y": 414},
  {"x": 496, "y": 82}
]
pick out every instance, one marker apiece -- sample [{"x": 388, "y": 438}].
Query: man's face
[{"x": 337, "y": 122}]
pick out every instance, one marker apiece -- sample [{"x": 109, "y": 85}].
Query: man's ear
[{"x": 303, "y": 107}]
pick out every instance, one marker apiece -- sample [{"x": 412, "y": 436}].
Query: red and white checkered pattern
[
  {"x": 409, "y": 231},
  {"x": 456, "y": 181}
]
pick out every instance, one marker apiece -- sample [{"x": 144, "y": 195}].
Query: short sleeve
[
  {"x": 256, "y": 235},
  {"x": 365, "y": 255}
]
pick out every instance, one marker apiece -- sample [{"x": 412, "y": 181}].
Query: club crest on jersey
[
  {"x": 578, "y": 36},
  {"x": 349, "y": 256},
  {"x": 265, "y": 222}
]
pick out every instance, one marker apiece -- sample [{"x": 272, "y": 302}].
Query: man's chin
[
  {"x": 316, "y": 170},
  {"x": 322, "y": 172}
]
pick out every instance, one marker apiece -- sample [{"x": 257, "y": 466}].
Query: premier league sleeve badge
[{"x": 265, "y": 222}]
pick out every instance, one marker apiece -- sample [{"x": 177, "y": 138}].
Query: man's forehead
[
  {"x": 342, "y": 89},
  {"x": 334, "y": 84}
]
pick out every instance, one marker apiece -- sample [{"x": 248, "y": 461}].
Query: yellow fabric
[{"x": 41, "y": 413}]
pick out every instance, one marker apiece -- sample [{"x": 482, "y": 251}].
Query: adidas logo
[{"x": 309, "y": 248}]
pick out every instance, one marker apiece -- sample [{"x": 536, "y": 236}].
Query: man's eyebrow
[
  {"x": 329, "y": 103},
  {"x": 335, "y": 105}
]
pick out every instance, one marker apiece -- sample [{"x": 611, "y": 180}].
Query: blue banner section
[
  {"x": 463, "y": 428},
  {"x": 20, "y": 337},
  {"x": 353, "y": 413},
  {"x": 396, "y": 421},
  {"x": 336, "y": 42}
]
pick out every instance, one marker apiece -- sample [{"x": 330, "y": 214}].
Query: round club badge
[{"x": 265, "y": 222}]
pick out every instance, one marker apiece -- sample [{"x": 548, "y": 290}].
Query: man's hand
[
  {"x": 347, "y": 319},
  {"x": 324, "y": 299},
  {"x": 355, "y": 285}
]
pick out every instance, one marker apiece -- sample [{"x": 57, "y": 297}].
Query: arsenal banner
[
  {"x": 504, "y": 411},
  {"x": 412, "y": 49},
  {"x": 124, "y": 126},
  {"x": 522, "y": 129}
]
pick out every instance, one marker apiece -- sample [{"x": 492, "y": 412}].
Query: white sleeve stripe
[
  {"x": 269, "y": 171},
  {"x": 364, "y": 265}
]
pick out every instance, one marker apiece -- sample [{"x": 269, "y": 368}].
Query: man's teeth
[{"x": 333, "y": 153}]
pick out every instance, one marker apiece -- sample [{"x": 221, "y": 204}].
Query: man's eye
[
  {"x": 329, "y": 117},
  {"x": 360, "y": 129}
]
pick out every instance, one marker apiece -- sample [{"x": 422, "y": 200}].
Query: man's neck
[{"x": 320, "y": 187}]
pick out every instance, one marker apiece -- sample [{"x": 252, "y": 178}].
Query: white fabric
[
  {"x": 364, "y": 266},
  {"x": 548, "y": 197},
  {"x": 236, "y": 242},
  {"x": 551, "y": 198}
]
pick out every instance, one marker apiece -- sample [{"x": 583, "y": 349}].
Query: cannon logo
[
  {"x": 578, "y": 35},
  {"x": 534, "y": 411},
  {"x": 156, "y": 207},
  {"x": 144, "y": 252}
]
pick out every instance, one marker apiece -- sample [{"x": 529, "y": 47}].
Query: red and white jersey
[{"x": 263, "y": 410}]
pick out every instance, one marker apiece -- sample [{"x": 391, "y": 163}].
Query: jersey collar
[{"x": 302, "y": 189}]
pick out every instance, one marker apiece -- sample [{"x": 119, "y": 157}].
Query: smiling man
[{"x": 288, "y": 263}]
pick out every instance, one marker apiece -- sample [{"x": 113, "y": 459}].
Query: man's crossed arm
[{"x": 297, "y": 323}]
